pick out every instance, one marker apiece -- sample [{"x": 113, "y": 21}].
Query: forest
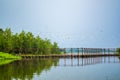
[{"x": 25, "y": 43}]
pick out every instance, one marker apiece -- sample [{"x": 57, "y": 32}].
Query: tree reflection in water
[{"x": 25, "y": 69}]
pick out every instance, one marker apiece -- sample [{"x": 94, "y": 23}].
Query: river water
[{"x": 97, "y": 68}]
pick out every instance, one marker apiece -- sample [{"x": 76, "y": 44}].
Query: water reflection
[
  {"x": 5, "y": 61},
  {"x": 27, "y": 69},
  {"x": 88, "y": 61}
]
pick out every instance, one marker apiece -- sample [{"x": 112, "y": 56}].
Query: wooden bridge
[{"x": 77, "y": 52}]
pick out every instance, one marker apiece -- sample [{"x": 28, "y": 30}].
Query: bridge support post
[
  {"x": 108, "y": 51},
  {"x": 82, "y": 51},
  {"x": 64, "y": 50},
  {"x": 114, "y": 50},
  {"x": 104, "y": 51},
  {"x": 71, "y": 52},
  {"x": 78, "y": 52}
]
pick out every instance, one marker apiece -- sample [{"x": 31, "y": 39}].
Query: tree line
[{"x": 25, "y": 43}]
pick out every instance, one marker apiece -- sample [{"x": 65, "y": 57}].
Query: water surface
[{"x": 98, "y": 68}]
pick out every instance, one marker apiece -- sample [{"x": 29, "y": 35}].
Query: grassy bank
[{"x": 8, "y": 56}]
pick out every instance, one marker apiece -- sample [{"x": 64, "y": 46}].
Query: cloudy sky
[{"x": 71, "y": 23}]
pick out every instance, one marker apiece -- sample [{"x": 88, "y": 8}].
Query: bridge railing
[{"x": 88, "y": 50}]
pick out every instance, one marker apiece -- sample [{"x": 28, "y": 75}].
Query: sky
[{"x": 70, "y": 23}]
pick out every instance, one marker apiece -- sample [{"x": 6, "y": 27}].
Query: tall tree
[
  {"x": 1, "y": 30},
  {"x": 30, "y": 41},
  {"x": 16, "y": 43},
  {"x": 8, "y": 40},
  {"x": 1, "y": 40},
  {"x": 22, "y": 42},
  {"x": 55, "y": 48}
]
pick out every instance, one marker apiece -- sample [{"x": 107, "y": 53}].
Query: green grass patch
[
  {"x": 3, "y": 61},
  {"x": 8, "y": 56}
]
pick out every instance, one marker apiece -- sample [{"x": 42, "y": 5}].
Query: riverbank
[{"x": 9, "y": 56}]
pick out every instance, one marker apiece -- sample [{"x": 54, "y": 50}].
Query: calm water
[{"x": 99, "y": 68}]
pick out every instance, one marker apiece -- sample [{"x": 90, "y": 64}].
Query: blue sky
[{"x": 71, "y": 23}]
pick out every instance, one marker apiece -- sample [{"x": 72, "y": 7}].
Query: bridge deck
[{"x": 67, "y": 55}]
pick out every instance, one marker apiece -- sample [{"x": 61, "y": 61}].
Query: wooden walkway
[
  {"x": 66, "y": 56},
  {"x": 77, "y": 52}
]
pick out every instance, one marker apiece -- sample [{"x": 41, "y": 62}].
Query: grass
[
  {"x": 8, "y": 56},
  {"x": 3, "y": 61}
]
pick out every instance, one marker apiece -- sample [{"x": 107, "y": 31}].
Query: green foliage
[
  {"x": 25, "y": 43},
  {"x": 118, "y": 50},
  {"x": 8, "y": 56},
  {"x": 55, "y": 48}
]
